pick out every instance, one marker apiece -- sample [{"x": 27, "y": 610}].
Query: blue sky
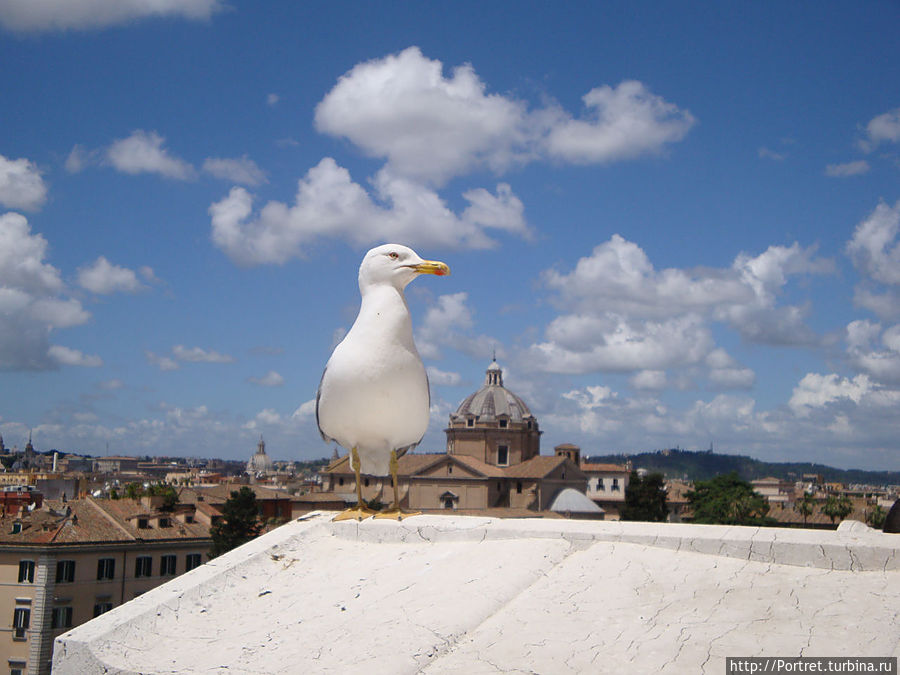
[{"x": 677, "y": 225}]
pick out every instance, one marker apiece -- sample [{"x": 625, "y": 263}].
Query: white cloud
[
  {"x": 881, "y": 129},
  {"x": 441, "y": 377},
  {"x": 112, "y": 385},
  {"x": 624, "y": 122},
  {"x": 143, "y": 152},
  {"x": 874, "y": 248},
  {"x": 32, "y": 298},
  {"x": 726, "y": 373},
  {"x": 881, "y": 362},
  {"x": 430, "y": 127},
  {"x": 270, "y": 379},
  {"x": 649, "y": 380},
  {"x": 621, "y": 314},
  {"x": 306, "y": 410},
  {"x": 80, "y": 158},
  {"x": 448, "y": 322},
  {"x": 329, "y": 204},
  {"x": 856, "y": 168},
  {"x": 104, "y": 278},
  {"x": 241, "y": 170},
  {"x": 199, "y": 355},
  {"x": 58, "y": 15},
  {"x": 72, "y": 357},
  {"x": 162, "y": 362},
  {"x": 272, "y": 99},
  {"x": 21, "y": 184},
  {"x": 816, "y": 391}
]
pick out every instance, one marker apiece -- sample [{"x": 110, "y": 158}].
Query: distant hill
[{"x": 704, "y": 465}]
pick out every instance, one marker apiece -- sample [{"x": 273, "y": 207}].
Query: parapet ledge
[{"x": 853, "y": 547}]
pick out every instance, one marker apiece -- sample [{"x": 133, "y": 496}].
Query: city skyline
[{"x": 674, "y": 226}]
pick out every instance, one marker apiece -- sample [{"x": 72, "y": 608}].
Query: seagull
[{"x": 373, "y": 398}]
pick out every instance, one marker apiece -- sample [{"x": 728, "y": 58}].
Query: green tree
[
  {"x": 168, "y": 493},
  {"x": 239, "y": 524},
  {"x": 875, "y": 517},
  {"x": 837, "y": 507},
  {"x": 727, "y": 499},
  {"x": 133, "y": 491},
  {"x": 805, "y": 506},
  {"x": 645, "y": 498}
]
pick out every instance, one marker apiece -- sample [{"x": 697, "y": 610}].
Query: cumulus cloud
[
  {"x": 330, "y": 204},
  {"x": 856, "y": 168},
  {"x": 58, "y": 15},
  {"x": 21, "y": 184},
  {"x": 816, "y": 391},
  {"x": 766, "y": 153},
  {"x": 621, "y": 314},
  {"x": 884, "y": 128},
  {"x": 241, "y": 170},
  {"x": 431, "y": 127},
  {"x": 449, "y": 322},
  {"x": 72, "y": 357},
  {"x": 874, "y": 248},
  {"x": 622, "y": 122},
  {"x": 33, "y": 299},
  {"x": 270, "y": 379},
  {"x": 875, "y": 351},
  {"x": 143, "y": 152},
  {"x": 650, "y": 380},
  {"x": 104, "y": 278},
  {"x": 441, "y": 377}
]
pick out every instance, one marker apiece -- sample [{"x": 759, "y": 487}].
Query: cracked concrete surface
[{"x": 439, "y": 594}]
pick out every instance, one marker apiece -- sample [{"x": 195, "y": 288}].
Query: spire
[{"x": 261, "y": 446}]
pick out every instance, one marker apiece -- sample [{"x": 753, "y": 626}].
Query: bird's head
[{"x": 396, "y": 265}]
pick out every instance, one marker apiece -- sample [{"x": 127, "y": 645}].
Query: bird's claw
[{"x": 356, "y": 513}]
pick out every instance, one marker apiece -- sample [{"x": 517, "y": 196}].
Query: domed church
[
  {"x": 494, "y": 425},
  {"x": 492, "y": 463}
]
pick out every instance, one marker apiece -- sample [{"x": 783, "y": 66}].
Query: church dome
[
  {"x": 260, "y": 462},
  {"x": 493, "y": 400}
]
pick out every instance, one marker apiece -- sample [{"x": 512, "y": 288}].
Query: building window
[
  {"x": 65, "y": 571},
  {"x": 615, "y": 485},
  {"x": 449, "y": 469},
  {"x": 504, "y": 424},
  {"x": 192, "y": 560},
  {"x": 17, "y": 527},
  {"x": 470, "y": 422},
  {"x": 143, "y": 523},
  {"x": 529, "y": 424},
  {"x": 340, "y": 481},
  {"x": 502, "y": 455},
  {"x": 102, "y": 608},
  {"x": 366, "y": 482},
  {"x": 600, "y": 484},
  {"x": 106, "y": 569},
  {"x": 448, "y": 502},
  {"x": 61, "y": 617},
  {"x": 21, "y": 621},
  {"x": 167, "y": 565},
  {"x": 143, "y": 566},
  {"x": 518, "y": 487},
  {"x": 26, "y": 571},
  {"x": 17, "y": 667},
  {"x": 165, "y": 522}
]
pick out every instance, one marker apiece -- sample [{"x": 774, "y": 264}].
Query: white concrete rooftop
[{"x": 447, "y": 594}]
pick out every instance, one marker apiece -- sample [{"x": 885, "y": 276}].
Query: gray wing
[{"x": 326, "y": 437}]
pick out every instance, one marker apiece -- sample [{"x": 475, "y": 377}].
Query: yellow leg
[
  {"x": 394, "y": 511},
  {"x": 361, "y": 512}
]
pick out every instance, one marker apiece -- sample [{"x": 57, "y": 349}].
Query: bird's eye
[{"x": 393, "y": 255}]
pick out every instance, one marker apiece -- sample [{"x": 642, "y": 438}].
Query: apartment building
[{"x": 64, "y": 563}]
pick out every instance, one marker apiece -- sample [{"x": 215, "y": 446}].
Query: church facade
[{"x": 492, "y": 461}]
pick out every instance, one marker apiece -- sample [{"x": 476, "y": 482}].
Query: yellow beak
[{"x": 431, "y": 267}]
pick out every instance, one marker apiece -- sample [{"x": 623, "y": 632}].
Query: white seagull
[{"x": 373, "y": 398}]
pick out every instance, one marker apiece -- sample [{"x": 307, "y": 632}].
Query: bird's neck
[{"x": 383, "y": 310}]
